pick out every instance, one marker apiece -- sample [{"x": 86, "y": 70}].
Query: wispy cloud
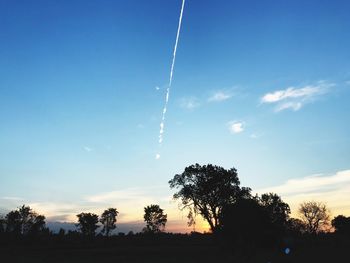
[
  {"x": 295, "y": 106},
  {"x": 189, "y": 103},
  {"x": 236, "y": 126},
  {"x": 87, "y": 149},
  {"x": 12, "y": 198},
  {"x": 295, "y": 98},
  {"x": 220, "y": 96},
  {"x": 64, "y": 211},
  {"x": 332, "y": 189},
  {"x": 127, "y": 199},
  {"x": 255, "y": 135}
]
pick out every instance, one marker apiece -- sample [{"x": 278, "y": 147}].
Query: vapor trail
[{"x": 170, "y": 79}]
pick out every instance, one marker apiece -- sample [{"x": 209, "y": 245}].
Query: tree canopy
[
  {"x": 315, "y": 216},
  {"x": 108, "y": 220},
  {"x": 207, "y": 189},
  {"x": 24, "y": 221},
  {"x": 277, "y": 210},
  {"x": 87, "y": 223},
  {"x": 341, "y": 224},
  {"x": 155, "y": 219}
]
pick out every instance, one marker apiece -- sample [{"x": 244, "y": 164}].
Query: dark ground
[{"x": 169, "y": 248}]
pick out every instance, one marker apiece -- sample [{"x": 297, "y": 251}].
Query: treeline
[
  {"x": 26, "y": 222},
  {"x": 214, "y": 194}
]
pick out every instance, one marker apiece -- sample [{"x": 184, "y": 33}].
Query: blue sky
[{"x": 263, "y": 86}]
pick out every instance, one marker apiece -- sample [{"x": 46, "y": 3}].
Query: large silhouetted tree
[
  {"x": 24, "y": 221},
  {"x": 315, "y": 216},
  {"x": 108, "y": 220},
  {"x": 207, "y": 189},
  {"x": 87, "y": 223},
  {"x": 255, "y": 221},
  {"x": 341, "y": 224},
  {"x": 155, "y": 219}
]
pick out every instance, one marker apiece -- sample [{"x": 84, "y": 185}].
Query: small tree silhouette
[
  {"x": 155, "y": 219},
  {"x": 191, "y": 217},
  {"x": 108, "y": 220},
  {"x": 87, "y": 224},
  {"x": 315, "y": 216}
]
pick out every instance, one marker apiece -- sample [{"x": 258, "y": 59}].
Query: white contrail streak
[{"x": 170, "y": 79}]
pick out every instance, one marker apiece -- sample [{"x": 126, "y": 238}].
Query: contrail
[{"x": 170, "y": 80}]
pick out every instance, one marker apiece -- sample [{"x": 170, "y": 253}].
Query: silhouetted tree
[
  {"x": 87, "y": 223},
  {"x": 191, "y": 217},
  {"x": 341, "y": 224},
  {"x": 2, "y": 225},
  {"x": 207, "y": 189},
  {"x": 13, "y": 222},
  {"x": 155, "y": 219},
  {"x": 315, "y": 216},
  {"x": 108, "y": 220},
  {"x": 277, "y": 210},
  {"x": 246, "y": 224},
  {"x": 24, "y": 221}
]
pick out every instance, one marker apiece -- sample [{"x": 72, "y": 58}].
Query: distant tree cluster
[
  {"x": 216, "y": 195},
  {"x": 88, "y": 222},
  {"x": 22, "y": 222}
]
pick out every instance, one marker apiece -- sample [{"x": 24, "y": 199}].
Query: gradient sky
[{"x": 262, "y": 86}]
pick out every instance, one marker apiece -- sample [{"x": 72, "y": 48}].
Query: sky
[{"x": 262, "y": 86}]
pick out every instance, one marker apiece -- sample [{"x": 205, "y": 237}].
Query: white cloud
[
  {"x": 189, "y": 103},
  {"x": 236, "y": 126},
  {"x": 294, "y": 98},
  {"x": 334, "y": 190},
  {"x": 157, "y": 156},
  {"x": 219, "y": 96}
]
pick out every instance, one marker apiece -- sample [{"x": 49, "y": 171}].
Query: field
[{"x": 168, "y": 248}]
